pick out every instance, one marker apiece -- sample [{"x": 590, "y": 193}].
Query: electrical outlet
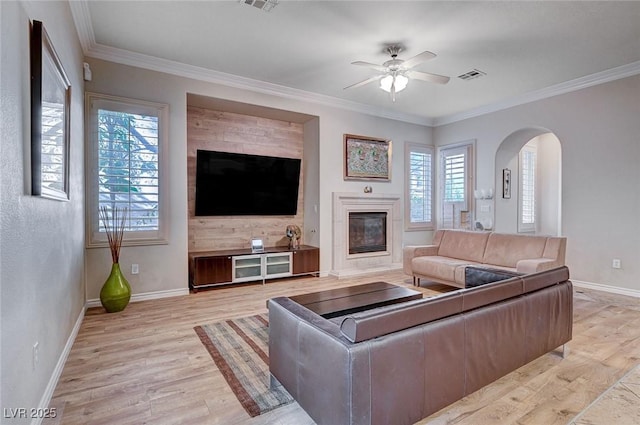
[
  {"x": 36, "y": 355},
  {"x": 616, "y": 263},
  {"x": 135, "y": 269}
]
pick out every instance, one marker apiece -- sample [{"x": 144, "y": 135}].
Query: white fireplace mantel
[{"x": 345, "y": 264}]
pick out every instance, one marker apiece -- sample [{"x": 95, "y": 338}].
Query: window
[
  {"x": 455, "y": 186},
  {"x": 419, "y": 203},
  {"x": 454, "y": 177},
  {"x": 527, "y": 189},
  {"x": 127, "y": 141}
]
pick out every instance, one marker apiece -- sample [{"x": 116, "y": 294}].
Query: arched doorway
[{"x": 511, "y": 211}]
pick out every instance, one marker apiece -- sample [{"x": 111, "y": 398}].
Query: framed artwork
[
  {"x": 50, "y": 99},
  {"x": 506, "y": 183},
  {"x": 366, "y": 158}
]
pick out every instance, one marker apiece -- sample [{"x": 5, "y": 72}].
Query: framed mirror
[{"x": 50, "y": 98}]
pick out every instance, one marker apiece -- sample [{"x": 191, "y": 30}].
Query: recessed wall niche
[{"x": 210, "y": 127}]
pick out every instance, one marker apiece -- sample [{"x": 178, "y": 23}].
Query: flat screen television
[{"x": 241, "y": 184}]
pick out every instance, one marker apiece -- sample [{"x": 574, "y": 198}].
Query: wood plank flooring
[{"x": 147, "y": 366}]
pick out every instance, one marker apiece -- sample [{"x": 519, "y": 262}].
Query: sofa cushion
[
  {"x": 463, "y": 245},
  {"x": 443, "y": 268},
  {"x": 505, "y": 250}
]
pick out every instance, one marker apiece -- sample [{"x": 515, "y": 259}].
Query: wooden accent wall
[{"x": 229, "y": 132}]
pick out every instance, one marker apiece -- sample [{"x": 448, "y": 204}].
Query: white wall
[
  {"x": 41, "y": 241},
  {"x": 550, "y": 185},
  {"x": 599, "y": 132},
  {"x": 164, "y": 268}
]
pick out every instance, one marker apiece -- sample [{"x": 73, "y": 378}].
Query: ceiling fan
[{"x": 395, "y": 73}]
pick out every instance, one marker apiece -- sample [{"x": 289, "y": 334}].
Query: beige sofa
[{"x": 445, "y": 260}]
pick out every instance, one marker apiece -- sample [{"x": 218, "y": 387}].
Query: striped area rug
[{"x": 239, "y": 347}]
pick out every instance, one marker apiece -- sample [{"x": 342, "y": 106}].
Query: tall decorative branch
[{"x": 114, "y": 228}]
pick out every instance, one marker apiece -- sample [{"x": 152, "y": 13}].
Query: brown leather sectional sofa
[{"x": 401, "y": 363}]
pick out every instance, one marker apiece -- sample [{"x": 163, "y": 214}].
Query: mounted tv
[{"x": 241, "y": 184}]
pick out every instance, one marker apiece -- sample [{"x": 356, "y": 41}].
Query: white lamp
[{"x": 400, "y": 82}]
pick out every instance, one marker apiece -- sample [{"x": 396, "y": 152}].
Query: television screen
[{"x": 242, "y": 184}]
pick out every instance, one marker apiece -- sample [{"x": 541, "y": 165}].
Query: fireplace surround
[{"x": 346, "y": 263}]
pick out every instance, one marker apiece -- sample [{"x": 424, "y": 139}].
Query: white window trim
[
  {"x": 470, "y": 147},
  {"x": 426, "y": 225},
  {"x": 95, "y": 238},
  {"x": 522, "y": 226}
]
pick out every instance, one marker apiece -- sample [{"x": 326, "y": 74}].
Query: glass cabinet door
[
  {"x": 278, "y": 265},
  {"x": 247, "y": 268}
]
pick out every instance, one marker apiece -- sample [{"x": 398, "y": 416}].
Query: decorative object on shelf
[
  {"x": 50, "y": 118},
  {"x": 466, "y": 220},
  {"x": 257, "y": 246},
  {"x": 366, "y": 158},
  {"x": 116, "y": 292},
  {"x": 368, "y": 189},
  {"x": 506, "y": 183},
  {"x": 484, "y": 224},
  {"x": 483, "y": 193},
  {"x": 293, "y": 232}
]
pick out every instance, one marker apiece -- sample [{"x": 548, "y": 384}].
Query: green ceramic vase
[{"x": 116, "y": 292}]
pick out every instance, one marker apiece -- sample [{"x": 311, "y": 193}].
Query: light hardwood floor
[{"x": 147, "y": 366}]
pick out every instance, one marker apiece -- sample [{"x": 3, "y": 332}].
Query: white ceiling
[{"x": 304, "y": 49}]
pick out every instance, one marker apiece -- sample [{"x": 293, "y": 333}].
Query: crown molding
[
  {"x": 153, "y": 63},
  {"x": 82, "y": 20},
  {"x": 602, "y": 77},
  {"x": 84, "y": 27}
]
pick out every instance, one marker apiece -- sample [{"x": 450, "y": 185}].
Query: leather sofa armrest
[
  {"x": 309, "y": 356},
  {"x": 304, "y": 314},
  {"x": 409, "y": 252},
  {"x": 386, "y": 320},
  {"x": 533, "y": 265}
]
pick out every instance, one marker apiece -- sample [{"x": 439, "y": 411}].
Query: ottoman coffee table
[{"x": 341, "y": 301}]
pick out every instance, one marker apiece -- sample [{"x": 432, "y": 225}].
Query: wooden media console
[{"x": 224, "y": 267}]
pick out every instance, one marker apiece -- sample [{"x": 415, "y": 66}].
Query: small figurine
[{"x": 293, "y": 232}]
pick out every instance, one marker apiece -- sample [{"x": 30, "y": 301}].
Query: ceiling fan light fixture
[{"x": 400, "y": 82}]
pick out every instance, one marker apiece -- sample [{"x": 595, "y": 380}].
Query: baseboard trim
[
  {"x": 145, "y": 296},
  {"x": 607, "y": 288},
  {"x": 57, "y": 371},
  {"x": 341, "y": 274}
]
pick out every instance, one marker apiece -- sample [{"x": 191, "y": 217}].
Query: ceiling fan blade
[
  {"x": 378, "y": 68},
  {"x": 425, "y": 76},
  {"x": 362, "y": 83},
  {"x": 417, "y": 59}
]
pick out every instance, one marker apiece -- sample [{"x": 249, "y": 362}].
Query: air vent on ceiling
[
  {"x": 473, "y": 74},
  {"x": 265, "y": 5}
]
